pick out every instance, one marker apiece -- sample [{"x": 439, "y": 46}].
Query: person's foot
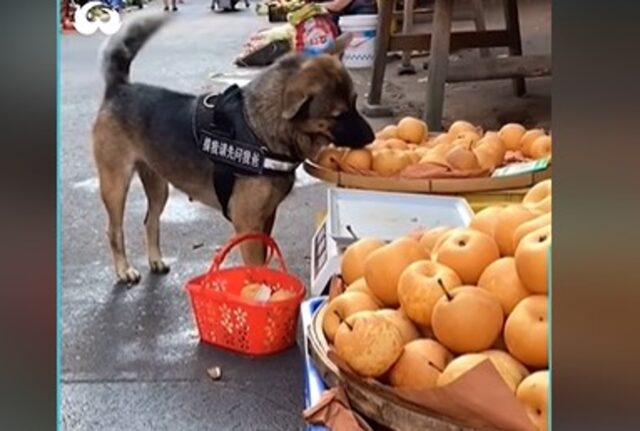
[
  {"x": 166, "y": 8},
  {"x": 175, "y": 9}
]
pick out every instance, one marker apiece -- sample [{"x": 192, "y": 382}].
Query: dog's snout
[{"x": 352, "y": 130}]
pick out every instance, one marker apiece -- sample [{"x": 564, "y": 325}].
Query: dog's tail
[{"x": 121, "y": 48}]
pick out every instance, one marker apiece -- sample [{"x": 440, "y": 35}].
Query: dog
[{"x": 295, "y": 108}]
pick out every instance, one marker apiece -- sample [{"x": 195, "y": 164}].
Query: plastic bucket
[{"x": 359, "y": 53}]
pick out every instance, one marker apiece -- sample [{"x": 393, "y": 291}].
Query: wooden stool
[
  {"x": 440, "y": 43},
  {"x": 477, "y": 16}
]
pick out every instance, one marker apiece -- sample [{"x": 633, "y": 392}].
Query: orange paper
[
  {"x": 333, "y": 411},
  {"x": 437, "y": 171},
  {"x": 479, "y": 399},
  {"x": 423, "y": 171}
]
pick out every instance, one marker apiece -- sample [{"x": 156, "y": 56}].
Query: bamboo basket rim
[{"x": 435, "y": 186}]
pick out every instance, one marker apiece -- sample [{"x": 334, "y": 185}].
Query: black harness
[{"x": 222, "y": 132}]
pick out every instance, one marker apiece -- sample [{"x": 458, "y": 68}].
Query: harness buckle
[{"x": 205, "y": 100}]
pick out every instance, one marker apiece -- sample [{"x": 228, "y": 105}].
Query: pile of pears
[
  {"x": 464, "y": 147},
  {"x": 423, "y": 310}
]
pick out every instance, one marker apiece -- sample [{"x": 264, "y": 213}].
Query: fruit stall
[
  {"x": 429, "y": 287},
  {"x": 430, "y": 277}
]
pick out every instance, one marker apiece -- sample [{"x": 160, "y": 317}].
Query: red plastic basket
[{"x": 227, "y": 320}]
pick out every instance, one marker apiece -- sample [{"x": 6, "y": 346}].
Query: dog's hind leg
[
  {"x": 157, "y": 191},
  {"x": 115, "y": 178},
  {"x": 115, "y": 162}
]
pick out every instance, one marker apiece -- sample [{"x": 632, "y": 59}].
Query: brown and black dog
[{"x": 295, "y": 107}]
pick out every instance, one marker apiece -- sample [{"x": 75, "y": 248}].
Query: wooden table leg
[
  {"x": 383, "y": 36},
  {"x": 438, "y": 63},
  {"x": 512, "y": 21},
  {"x": 480, "y": 22},
  {"x": 407, "y": 26}
]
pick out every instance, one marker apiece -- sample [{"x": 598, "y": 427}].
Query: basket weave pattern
[{"x": 227, "y": 320}]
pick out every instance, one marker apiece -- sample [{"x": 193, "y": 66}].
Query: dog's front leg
[
  {"x": 252, "y": 208},
  {"x": 254, "y": 252}
]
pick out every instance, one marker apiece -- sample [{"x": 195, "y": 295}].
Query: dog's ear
[
  {"x": 294, "y": 99},
  {"x": 298, "y": 92},
  {"x": 340, "y": 44}
]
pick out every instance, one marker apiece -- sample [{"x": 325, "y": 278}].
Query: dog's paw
[
  {"x": 158, "y": 267},
  {"x": 129, "y": 276}
]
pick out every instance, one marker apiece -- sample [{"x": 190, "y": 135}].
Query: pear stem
[
  {"x": 444, "y": 289},
  {"x": 351, "y": 232},
  {"x": 342, "y": 320},
  {"x": 432, "y": 365}
]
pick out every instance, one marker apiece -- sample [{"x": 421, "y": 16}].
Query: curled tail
[{"x": 122, "y": 47}]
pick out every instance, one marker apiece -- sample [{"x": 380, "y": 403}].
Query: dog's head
[
  {"x": 301, "y": 104},
  {"x": 320, "y": 101}
]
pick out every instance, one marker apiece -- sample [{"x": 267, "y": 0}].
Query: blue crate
[{"x": 313, "y": 384}]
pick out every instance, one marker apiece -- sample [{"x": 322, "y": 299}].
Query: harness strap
[
  {"x": 222, "y": 132},
  {"x": 223, "y": 182}
]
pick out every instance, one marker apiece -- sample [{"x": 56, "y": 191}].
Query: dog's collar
[{"x": 223, "y": 133}]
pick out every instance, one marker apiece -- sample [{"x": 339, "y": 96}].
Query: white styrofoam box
[{"x": 388, "y": 215}]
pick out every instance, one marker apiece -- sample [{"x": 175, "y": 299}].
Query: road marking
[
  {"x": 238, "y": 77},
  {"x": 178, "y": 210},
  {"x": 90, "y": 185}
]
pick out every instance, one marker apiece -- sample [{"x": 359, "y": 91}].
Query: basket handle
[{"x": 272, "y": 249}]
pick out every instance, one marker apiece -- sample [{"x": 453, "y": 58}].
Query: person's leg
[
  {"x": 173, "y": 5},
  {"x": 166, "y": 5}
]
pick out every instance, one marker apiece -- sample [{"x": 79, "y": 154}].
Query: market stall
[
  {"x": 440, "y": 41},
  {"x": 429, "y": 303},
  {"x": 435, "y": 314},
  {"x": 308, "y": 29},
  {"x": 429, "y": 283}
]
